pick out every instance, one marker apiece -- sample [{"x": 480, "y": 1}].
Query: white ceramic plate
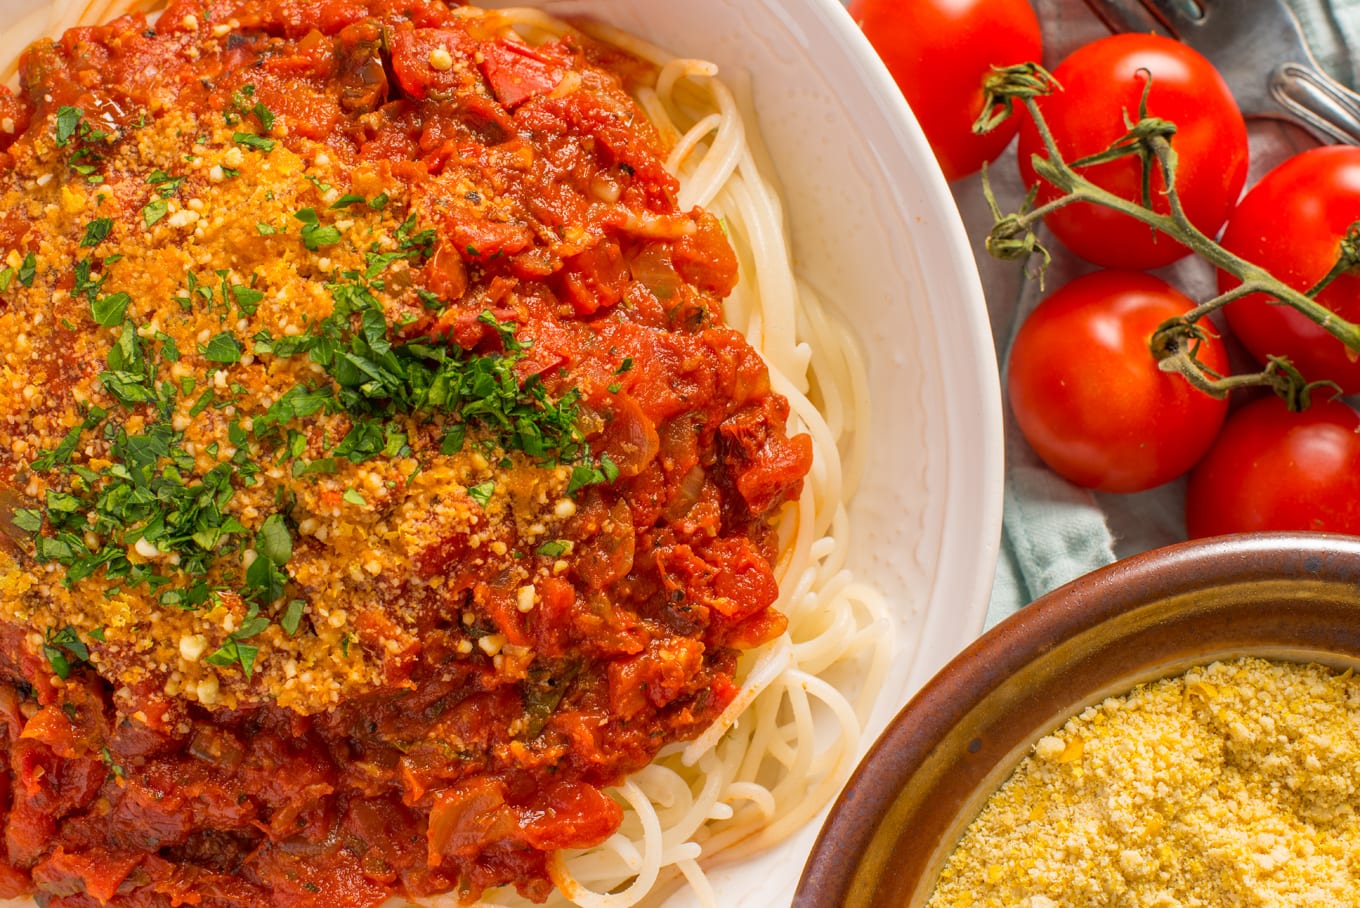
[{"x": 875, "y": 231}]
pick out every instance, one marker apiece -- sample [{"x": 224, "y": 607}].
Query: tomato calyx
[
  {"x": 1137, "y": 142},
  {"x": 1175, "y": 346},
  {"x": 1150, "y": 139},
  {"x": 1147, "y": 138},
  {"x": 1347, "y": 261},
  {"x": 1004, "y": 86}
]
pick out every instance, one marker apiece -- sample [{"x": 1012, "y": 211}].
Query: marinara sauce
[{"x": 384, "y": 481}]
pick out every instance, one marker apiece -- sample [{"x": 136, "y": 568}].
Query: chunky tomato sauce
[{"x": 459, "y": 646}]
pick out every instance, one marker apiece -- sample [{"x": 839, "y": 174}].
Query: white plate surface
[{"x": 875, "y": 231}]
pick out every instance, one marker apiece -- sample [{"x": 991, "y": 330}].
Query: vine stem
[{"x": 1014, "y": 232}]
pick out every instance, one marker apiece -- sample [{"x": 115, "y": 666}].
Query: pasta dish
[{"x": 422, "y": 474}]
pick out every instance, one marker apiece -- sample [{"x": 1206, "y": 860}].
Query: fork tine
[
  {"x": 1130, "y": 16},
  {"x": 1262, "y": 56},
  {"x": 1179, "y": 15}
]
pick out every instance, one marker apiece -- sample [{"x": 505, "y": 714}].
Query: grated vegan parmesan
[{"x": 1232, "y": 785}]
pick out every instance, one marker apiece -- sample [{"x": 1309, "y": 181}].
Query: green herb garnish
[
  {"x": 314, "y": 234},
  {"x": 252, "y": 141},
  {"x": 153, "y": 211},
  {"x": 222, "y": 348},
  {"x": 96, "y": 232},
  {"x": 482, "y": 492},
  {"x": 28, "y": 269},
  {"x": 110, "y": 310},
  {"x": 62, "y": 646}
]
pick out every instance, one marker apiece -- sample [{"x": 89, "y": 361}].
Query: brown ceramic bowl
[{"x": 1290, "y": 596}]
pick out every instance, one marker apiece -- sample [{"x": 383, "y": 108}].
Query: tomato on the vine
[
  {"x": 1087, "y": 392},
  {"x": 1272, "y": 469},
  {"x": 939, "y": 51},
  {"x": 1101, "y": 83},
  {"x": 1291, "y": 223}
]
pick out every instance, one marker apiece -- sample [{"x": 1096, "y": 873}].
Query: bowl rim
[
  {"x": 846, "y": 837},
  {"x": 969, "y": 548}
]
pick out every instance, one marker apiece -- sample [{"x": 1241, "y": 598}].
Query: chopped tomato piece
[
  {"x": 432, "y": 60},
  {"x": 517, "y": 73},
  {"x": 572, "y": 815},
  {"x": 14, "y": 113},
  {"x": 98, "y": 871},
  {"x": 596, "y": 279}
]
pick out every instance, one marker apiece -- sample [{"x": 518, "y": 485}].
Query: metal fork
[{"x": 1261, "y": 54}]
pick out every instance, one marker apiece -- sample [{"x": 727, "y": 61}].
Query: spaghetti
[{"x": 764, "y": 764}]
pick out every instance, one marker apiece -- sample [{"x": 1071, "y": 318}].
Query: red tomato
[
  {"x": 1088, "y": 395},
  {"x": 1291, "y": 223},
  {"x": 1275, "y": 470},
  {"x": 1103, "y": 82},
  {"x": 939, "y": 51}
]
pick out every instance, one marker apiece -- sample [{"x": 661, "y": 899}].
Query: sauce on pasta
[{"x": 385, "y": 483}]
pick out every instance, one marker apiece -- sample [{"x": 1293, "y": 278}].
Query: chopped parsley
[
  {"x": 347, "y": 200},
  {"x": 153, "y": 211},
  {"x": 96, "y": 232},
  {"x": 253, "y": 142},
  {"x": 583, "y": 474},
  {"x": 482, "y": 492},
  {"x": 291, "y": 619},
  {"x": 314, "y": 233},
  {"x": 147, "y": 513},
  {"x": 419, "y": 241},
  {"x": 245, "y": 104},
  {"x": 378, "y": 262},
  {"x": 233, "y": 651},
  {"x": 146, "y": 495},
  {"x": 247, "y": 298},
  {"x": 273, "y": 547},
  {"x": 222, "y": 348},
  {"x": 68, "y": 120},
  {"x": 28, "y": 269},
  {"x": 555, "y": 548},
  {"x": 376, "y": 380},
  {"x": 28, "y": 519},
  {"x": 166, "y": 185},
  {"x": 110, "y": 310},
  {"x": 72, "y": 130},
  {"x": 61, "y": 647},
  {"x": 114, "y": 768}
]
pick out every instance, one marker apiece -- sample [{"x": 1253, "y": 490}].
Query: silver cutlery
[{"x": 1261, "y": 53}]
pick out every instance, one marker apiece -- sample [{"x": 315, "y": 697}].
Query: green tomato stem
[{"x": 1013, "y": 236}]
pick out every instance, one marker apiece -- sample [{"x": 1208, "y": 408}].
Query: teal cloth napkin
[{"x": 1052, "y": 531}]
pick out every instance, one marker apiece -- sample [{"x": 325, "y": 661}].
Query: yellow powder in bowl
[{"x": 1234, "y": 784}]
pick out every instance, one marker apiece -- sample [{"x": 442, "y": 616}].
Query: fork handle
[{"x": 1324, "y": 106}]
